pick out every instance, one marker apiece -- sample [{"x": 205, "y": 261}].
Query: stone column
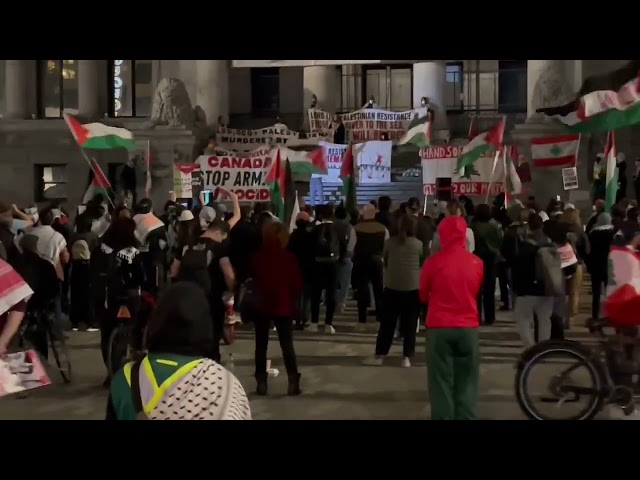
[
  {"x": 212, "y": 89},
  {"x": 429, "y": 80},
  {"x": 324, "y": 83},
  {"x": 550, "y": 83},
  {"x": 16, "y": 105},
  {"x": 88, "y": 88}
]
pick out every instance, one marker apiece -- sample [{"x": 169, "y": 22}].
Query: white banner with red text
[
  {"x": 366, "y": 124},
  {"x": 241, "y": 173},
  {"x": 279, "y": 134},
  {"x": 440, "y": 162}
]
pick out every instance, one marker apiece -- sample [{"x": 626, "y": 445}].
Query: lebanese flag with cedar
[{"x": 558, "y": 151}]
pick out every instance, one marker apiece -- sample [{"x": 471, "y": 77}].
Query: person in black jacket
[
  {"x": 600, "y": 238},
  {"x": 384, "y": 215},
  {"x": 339, "y": 134},
  {"x": 117, "y": 266},
  {"x": 301, "y": 245},
  {"x": 326, "y": 253}
]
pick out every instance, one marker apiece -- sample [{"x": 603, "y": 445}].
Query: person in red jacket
[
  {"x": 278, "y": 284},
  {"x": 449, "y": 282}
]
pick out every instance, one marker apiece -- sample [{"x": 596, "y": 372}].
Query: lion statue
[{"x": 171, "y": 105}]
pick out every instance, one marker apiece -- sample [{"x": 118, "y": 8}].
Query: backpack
[
  {"x": 194, "y": 265},
  {"x": 102, "y": 268},
  {"x": 80, "y": 250},
  {"x": 549, "y": 271},
  {"x": 327, "y": 247}
]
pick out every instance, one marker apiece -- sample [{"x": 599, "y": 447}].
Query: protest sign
[
  {"x": 22, "y": 371},
  {"x": 440, "y": 162},
  {"x": 369, "y": 123},
  {"x": 334, "y": 154},
  {"x": 570, "y": 178},
  {"x": 374, "y": 162},
  {"x": 319, "y": 121},
  {"x": 241, "y": 173},
  {"x": 238, "y": 139},
  {"x": 183, "y": 176}
]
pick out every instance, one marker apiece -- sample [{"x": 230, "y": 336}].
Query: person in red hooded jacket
[
  {"x": 278, "y": 284},
  {"x": 450, "y": 281}
]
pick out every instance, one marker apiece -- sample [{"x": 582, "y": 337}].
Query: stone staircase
[{"x": 399, "y": 191}]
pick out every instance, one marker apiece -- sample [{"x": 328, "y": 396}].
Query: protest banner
[
  {"x": 570, "y": 178},
  {"x": 183, "y": 176},
  {"x": 334, "y": 154},
  {"x": 374, "y": 162},
  {"x": 22, "y": 371},
  {"x": 440, "y": 162},
  {"x": 239, "y": 139},
  {"x": 369, "y": 123},
  {"x": 320, "y": 121},
  {"x": 241, "y": 173}
]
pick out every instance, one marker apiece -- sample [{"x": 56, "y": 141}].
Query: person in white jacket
[{"x": 453, "y": 209}]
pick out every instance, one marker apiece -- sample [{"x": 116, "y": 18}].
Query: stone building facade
[{"x": 183, "y": 112}]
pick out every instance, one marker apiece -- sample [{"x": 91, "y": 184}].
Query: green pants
[{"x": 453, "y": 360}]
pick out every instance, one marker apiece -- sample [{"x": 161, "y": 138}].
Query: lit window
[
  {"x": 131, "y": 88},
  {"x": 51, "y": 182},
  {"x": 453, "y": 73},
  {"x": 58, "y": 87}
]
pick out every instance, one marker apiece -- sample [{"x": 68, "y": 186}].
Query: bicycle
[
  {"x": 121, "y": 347},
  {"x": 39, "y": 330},
  {"x": 612, "y": 367}
]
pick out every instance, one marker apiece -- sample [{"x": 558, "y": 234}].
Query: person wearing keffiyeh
[{"x": 177, "y": 379}]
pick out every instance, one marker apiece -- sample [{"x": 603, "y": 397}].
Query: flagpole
[
  {"x": 504, "y": 166},
  {"x": 575, "y": 163},
  {"x": 90, "y": 162},
  {"x": 493, "y": 171},
  {"x": 148, "y": 165}
]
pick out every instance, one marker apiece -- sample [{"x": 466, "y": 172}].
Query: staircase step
[{"x": 399, "y": 192}]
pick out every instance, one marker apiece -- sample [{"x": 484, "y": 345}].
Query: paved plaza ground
[{"x": 335, "y": 382}]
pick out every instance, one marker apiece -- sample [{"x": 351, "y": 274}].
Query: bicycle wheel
[
  {"x": 575, "y": 376},
  {"x": 60, "y": 351},
  {"x": 119, "y": 349}
]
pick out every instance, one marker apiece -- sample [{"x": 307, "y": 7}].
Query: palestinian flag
[
  {"x": 303, "y": 162},
  {"x": 491, "y": 140},
  {"x": 512, "y": 182},
  {"x": 418, "y": 134},
  {"x": 283, "y": 194},
  {"x": 611, "y": 182},
  {"x": 601, "y": 110},
  {"x": 98, "y": 183},
  {"x": 623, "y": 289},
  {"x": 348, "y": 177},
  {"x": 98, "y": 136},
  {"x": 294, "y": 214}
]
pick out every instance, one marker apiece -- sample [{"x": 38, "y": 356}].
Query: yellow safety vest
[{"x": 159, "y": 391}]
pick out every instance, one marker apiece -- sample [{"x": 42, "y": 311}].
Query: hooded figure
[
  {"x": 176, "y": 379},
  {"x": 452, "y": 321}
]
